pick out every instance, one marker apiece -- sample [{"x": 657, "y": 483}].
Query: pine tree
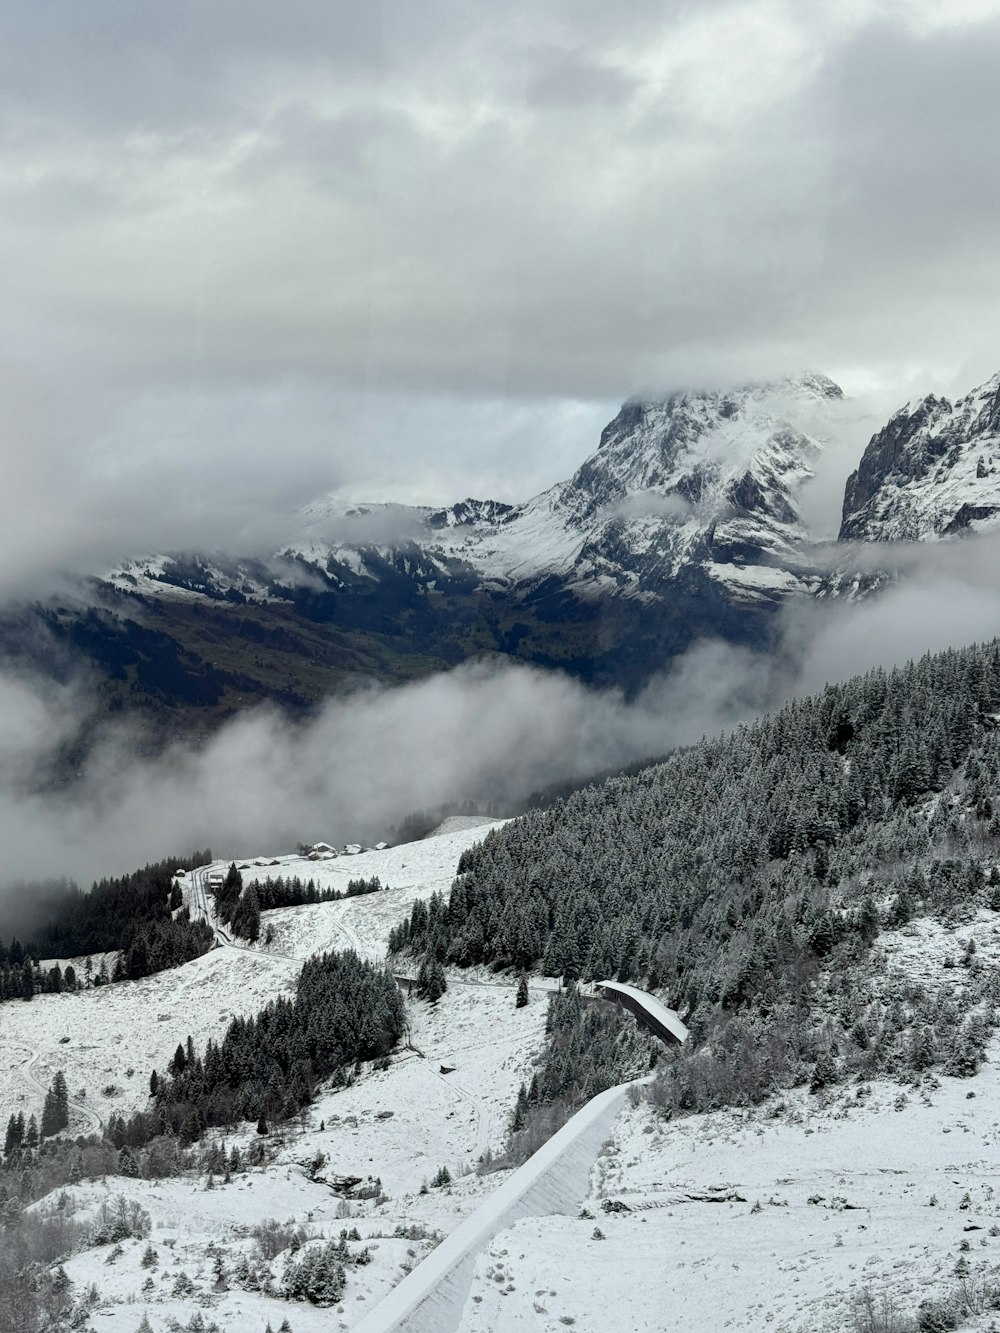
[
  {"x": 522, "y": 991},
  {"x": 50, "y": 1115},
  {"x": 60, "y": 1097},
  {"x": 15, "y": 1134},
  {"x": 31, "y": 1133}
]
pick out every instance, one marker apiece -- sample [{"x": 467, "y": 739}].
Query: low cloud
[
  {"x": 650, "y": 504},
  {"x": 493, "y": 730}
]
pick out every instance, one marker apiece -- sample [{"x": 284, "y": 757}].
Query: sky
[{"x": 420, "y": 251}]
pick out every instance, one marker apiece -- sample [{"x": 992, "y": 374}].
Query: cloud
[
  {"x": 222, "y": 232},
  {"x": 415, "y": 252},
  {"x": 493, "y": 731},
  {"x": 650, "y": 504}
]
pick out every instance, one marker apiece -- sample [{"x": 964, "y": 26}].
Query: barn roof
[{"x": 658, "y": 1012}]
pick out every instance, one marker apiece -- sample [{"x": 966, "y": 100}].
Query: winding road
[
  {"x": 202, "y": 911},
  {"x": 94, "y": 1122}
]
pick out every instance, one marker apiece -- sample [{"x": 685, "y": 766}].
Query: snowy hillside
[
  {"x": 779, "y": 1217},
  {"x": 709, "y": 477},
  {"x": 932, "y": 472},
  {"x": 783, "y": 1216}
]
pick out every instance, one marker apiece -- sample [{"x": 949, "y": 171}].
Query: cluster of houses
[
  {"x": 319, "y": 851},
  {"x": 322, "y": 851}
]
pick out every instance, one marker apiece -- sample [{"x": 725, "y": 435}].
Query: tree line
[
  {"x": 267, "y": 1067},
  {"x": 139, "y": 916},
  {"x": 746, "y": 878}
]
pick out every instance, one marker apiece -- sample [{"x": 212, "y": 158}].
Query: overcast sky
[{"x": 422, "y": 249}]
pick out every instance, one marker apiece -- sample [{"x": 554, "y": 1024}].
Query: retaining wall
[{"x": 554, "y": 1180}]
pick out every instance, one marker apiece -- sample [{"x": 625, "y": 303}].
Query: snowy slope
[
  {"x": 772, "y": 1218},
  {"x": 400, "y": 1124},
  {"x": 113, "y": 1036},
  {"x": 765, "y": 1219},
  {"x": 98, "y": 1036},
  {"x": 933, "y": 471},
  {"x": 778, "y": 1216},
  {"x": 708, "y": 477}
]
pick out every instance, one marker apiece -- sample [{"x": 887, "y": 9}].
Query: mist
[{"x": 493, "y": 731}]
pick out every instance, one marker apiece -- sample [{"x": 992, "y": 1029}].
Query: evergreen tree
[
  {"x": 522, "y": 991},
  {"x": 15, "y": 1133},
  {"x": 127, "y": 1165},
  {"x": 60, "y": 1100}
]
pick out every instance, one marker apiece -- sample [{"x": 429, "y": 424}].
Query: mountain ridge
[{"x": 684, "y": 523}]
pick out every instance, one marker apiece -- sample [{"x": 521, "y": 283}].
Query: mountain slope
[
  {"x": 695, "y": 479},
  {"x": 932, "y": 472}
]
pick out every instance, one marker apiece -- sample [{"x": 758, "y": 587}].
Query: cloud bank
[
  {"x": 420, "y": 251},
  {"x": 493, "y": 731}
]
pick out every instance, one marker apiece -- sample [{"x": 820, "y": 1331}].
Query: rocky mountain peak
[
  {"x": 933, "y": 470},
  {"x": 742, "y": 450}
]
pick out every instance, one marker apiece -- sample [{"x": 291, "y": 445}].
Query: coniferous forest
[
  {"x": 746, "y": 879},
  {"x": 138, "y": 915},
  {"x": 344, "y": 1010}
]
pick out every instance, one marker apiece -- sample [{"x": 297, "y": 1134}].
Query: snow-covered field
[
  {"x": 114, "y": 1036},
  {"x": 410, "y": 871},
  {"x": 768, "y": 1219},
  {"x": 399, "y": 1125},
  {"x": 771, "y": 1219}
]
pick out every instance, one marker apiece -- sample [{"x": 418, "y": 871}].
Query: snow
[
  {"x": 667, "y": 1018},
  {"x": 400, "y": 1124},
  {"x": 765, "y": 1218},
  {"x": 844, "y": 1193},
  {"x": 628, "y": 508},
  {"x": 114, "y": 1036},
  {"x": 954, "y": 451},
  {"x": 409, "y": 871}
]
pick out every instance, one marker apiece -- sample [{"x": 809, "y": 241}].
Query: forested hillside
[
  {"x": 139, "y": 915},
  {"x": 746, "y": 879}
]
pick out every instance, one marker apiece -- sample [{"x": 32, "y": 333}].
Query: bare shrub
[
  {"x": 877, "y": 1312},
  {"x": 274, "y": 1237},
  {"x": 120, "y": 1219}
]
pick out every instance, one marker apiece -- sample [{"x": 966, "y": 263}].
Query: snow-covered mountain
[
  {"x": 694, "y": 479},
  {"x": 683, "y": 523},
  {"x": 932, "y": 472}
]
